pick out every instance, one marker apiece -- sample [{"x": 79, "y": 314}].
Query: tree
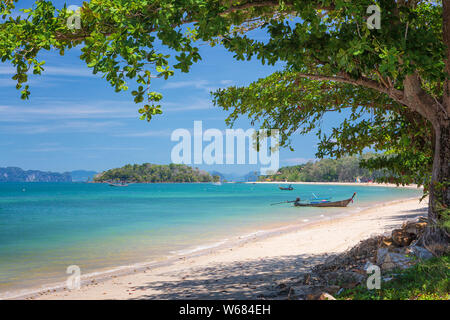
[{"x": 333, "y": 62}]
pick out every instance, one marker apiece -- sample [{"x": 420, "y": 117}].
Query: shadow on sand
[
  {"x": 409, "y": 215},
  {"x": 252, "y": 279},
  {"x": 255, "y": 279}
]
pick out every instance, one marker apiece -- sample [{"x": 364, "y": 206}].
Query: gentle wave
[{"x": 101, "y": 227}]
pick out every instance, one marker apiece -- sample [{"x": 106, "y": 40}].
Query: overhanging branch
[
  {"x": 249, "y": 5},
  {"x": 393, "y": 93}
]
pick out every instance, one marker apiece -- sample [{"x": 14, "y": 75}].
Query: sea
[{"x": 47, "y": 227}]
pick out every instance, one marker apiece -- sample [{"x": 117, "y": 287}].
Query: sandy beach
[{"x": 250, "y": 268}]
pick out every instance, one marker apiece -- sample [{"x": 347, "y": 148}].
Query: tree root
[{"x": 436, "y": 240}]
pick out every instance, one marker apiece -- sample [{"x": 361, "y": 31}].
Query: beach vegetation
[
  {"x": 427, "y": 280},
  {"x": 345, "y": 169}
]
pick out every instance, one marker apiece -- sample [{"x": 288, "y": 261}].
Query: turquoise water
[{"x": 45, "y": 227}]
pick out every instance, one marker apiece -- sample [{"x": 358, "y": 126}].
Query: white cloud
[
  {"x": 62, "y": 149},
  {"x": 61, "y": 127},
  {"x": 57, "y": 110},
  {"x": 54, "y": 71},
  {"x": 57, "y": 74},
  {"x": 227, "y": 82},
  {"x": 72, "y": 72},
  {"x": 154, "y": 133},
  {"x": 198, "y": 84},
  {"x": 6, "y": 82},
  {"x": 205, "y": 85},
  {"x": 103, "y": 109},
  {"x": 200, "y": 104},
  {"x": 49, "y": 149}
]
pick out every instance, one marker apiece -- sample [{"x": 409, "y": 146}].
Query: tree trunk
[
  {"x": 436, "y": 238},
  {"x": 440, "y": 181}
]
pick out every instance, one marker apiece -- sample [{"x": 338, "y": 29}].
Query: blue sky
[{"x": 74, "y": 119}]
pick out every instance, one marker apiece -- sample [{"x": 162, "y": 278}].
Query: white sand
[{"x": 250, "y": 268}]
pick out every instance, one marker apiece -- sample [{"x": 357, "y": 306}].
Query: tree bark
[
  {"x": 440, "y": 183},
  {"x": 439, "y": 201}
]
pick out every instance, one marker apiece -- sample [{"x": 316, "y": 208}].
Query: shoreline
[
  {"x": 207, "y": 255},
  {"x": 362, "y": 184}
]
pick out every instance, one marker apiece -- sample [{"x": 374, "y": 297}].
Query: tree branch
[
  {"x": 419, "y": 100},
  {"x": 393, "y": 93},
  {"x": 272, "y": 3},
  {"x": 252, "y": 5}
]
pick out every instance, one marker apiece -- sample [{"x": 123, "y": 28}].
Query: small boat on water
[
  {"x": 324, "y": 202},
  {"x": 118, "y": 184},
  {"x": 286, "y": 188}
]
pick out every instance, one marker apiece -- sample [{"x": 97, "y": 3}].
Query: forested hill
[
  {"x": 148, "y": 172},
  {"x": 326, "y": 170}
]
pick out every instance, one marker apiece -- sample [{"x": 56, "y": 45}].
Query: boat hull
[{"x": 340, "y": 203}]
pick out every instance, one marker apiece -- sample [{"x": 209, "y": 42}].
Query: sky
[{"x": 74, "y": 120}]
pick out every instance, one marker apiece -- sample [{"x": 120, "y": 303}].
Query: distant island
[
  {"x": 82, "y": 175},
  {"x": 346, "y": 169},
  {"x": 154, "y": 173},
  {"x": 14, "y": 174},
  {"x": 235, "y": 177}
]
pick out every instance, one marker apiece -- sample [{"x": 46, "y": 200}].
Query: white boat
[{"x": 118, "y": 185}]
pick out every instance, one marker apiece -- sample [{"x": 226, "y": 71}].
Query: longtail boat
[
  {"x": 288, "y": 188},
  {"x": 118, "y": 184},
  {"x": 325, "y": 203}
]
